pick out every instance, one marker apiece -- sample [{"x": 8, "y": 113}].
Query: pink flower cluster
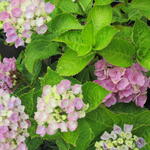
[
  {"x": 7, "y": 74},
  {"x": 127, "y": 84},
  {"x": 59, "y": 108},
  {"x": 13, "y": 123},
  {"x": 23, "y": 17}
]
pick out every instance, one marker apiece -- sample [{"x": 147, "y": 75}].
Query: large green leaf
[
  {"x": 74, "y": 40},
  {"x": 81, "y": 137},
  {"x": 64, "y": 22},
  {"x": 103, "y": 2},
  {"x": 141, "y": 34},
  {"x": 119, "y": 53},
  {"x": 101, "y": 16},
  {"x": 62, "y": 145},
  {"x": 104, "y": 37},
  {"x": 141, "y": 37},
  {"x": 93, "y": 95},
  {"x": 68, "y": 6},
  {"x": 70, "y": 63},
  {"x": 27, "y": 100},
  {"x": 142, "y": 6},
  {"x": 50, "y": 78},
  {"x": 86, "y": 74},
  {"x": 143, "y": 57},
  {"x": 85, "y": 4},
  {"x": 38, "y": 50},
  {"x": 85, "y": 135},
  {"x": 33, "y": 144}
]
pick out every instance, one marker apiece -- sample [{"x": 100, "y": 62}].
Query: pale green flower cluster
[{"x": 120, "y": 139}]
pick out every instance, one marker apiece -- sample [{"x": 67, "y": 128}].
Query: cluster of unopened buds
[
  {"x": 126, "y": 84},
  {"x": 23, "y": 17},
  {"x": 59, "y": 108},
  {"x": 120, "y": 139},
  {"x": 13, "y": 123},
  {"x": 7, "y": 74}
]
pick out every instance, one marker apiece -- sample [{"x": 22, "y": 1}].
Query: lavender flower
[
  {"x": 120, "y": 139},
  {"x": 13, "y": 123},
  {"x": 23, "y": 17},
  {"x": 59, "y": 107},
  {"x": 7, "y": 74},
  {"x": 127, "y": 84}
]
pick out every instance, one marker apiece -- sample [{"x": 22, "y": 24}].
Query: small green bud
[
  {"x": 129, "y": 143},
  {"x": 120, "y": 141}
]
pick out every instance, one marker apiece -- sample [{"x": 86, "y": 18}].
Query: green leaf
[
  {"x": 85, "y": 135},
  {"x": 102, "y": 2},
  {"x": 50, "y": 78},
  {"x": 141, "y": 37},
  {"x": 85, "y": 4},
  {"x": 142, "y": 6},
  {"x": 88, "y": 34},
  {"x": 38, "y": 50},
  {"x": 141, "y": 34},
  {"x": 28, "y": 101},
  {"x": 86, "y": 74},
  {"x": 33, "y": 144},
  {"x": 70, "y": 137},
  {"x": 68, "y": 6},
  {"x": 104, "y": 37},
  {"x": 93, "y": 95},
  {"x": 74, "y": 40},
  {"x": 81, "y": 137},
  {"x": 101, "y": 16},
  {"x": 65, "y": 22},
  {"x": 70, "y": 64},
  {"x": 62, "y": 145},
  {"x": 143, "y": 57},
  {"x": 119, "y": 53}
]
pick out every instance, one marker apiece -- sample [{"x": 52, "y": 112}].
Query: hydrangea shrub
[
  {"x": 127, "y": 84},
  {"x": 60, "y": 107},
  {"x": 21, "y": 18},
  {"x": 120, "y": 139},
  {"x": 82, "y": 69},
  {"x": 14, "y": 123}
]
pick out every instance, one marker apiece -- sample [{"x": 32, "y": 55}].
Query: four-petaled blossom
[
  {"x": 21, "y": 18},
  {"x": 13, "y": 123},
  {"x": 119, "y": 139},
  {"x": 59, "y": 108},
  {"x": 127, "y": 84}
]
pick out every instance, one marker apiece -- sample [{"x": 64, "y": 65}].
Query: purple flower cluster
[
  {"x": 13, "y": 123},
  {"x": 60, "y": 107},
  {"x": 23, "y": 17},
  {"x": 120, "y": 139},
  {"x": 7, "y": 74},
  {"x": 127, "y": 84}
]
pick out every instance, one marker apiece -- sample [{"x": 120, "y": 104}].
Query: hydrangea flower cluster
[
  {"x": 3, "y": 5},
  {"x": 7, "y": 74},
  {"x": 23, "y": 17},
  {"x": 120, "y": 139},
  {"x": 60, "y": 107},
  {"x": 13, "y": 123},
  {"x": 127, "y": 84}
]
